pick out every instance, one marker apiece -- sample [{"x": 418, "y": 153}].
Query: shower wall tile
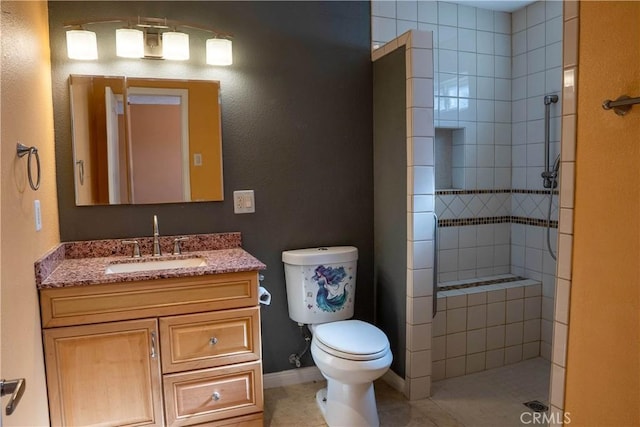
[
  {"x": 562, "y": 301},
  {"x": 526, "y": 80},
  {"x": 403, "y": 26},
  {"x": 420, "y": 203},
  {"x": 491, "y": 337},
  {"x": 536, "y": 13},
  {"x": 383, "y": 29},
  {"x": 502, "y": 22},
  {"x": 565, "y": 238},
  {"x": 420, "y": 386},
  {"x": 568, "y": 138},
  {"x": 447, "y": 14},
  {"x": 420, "y": 282},
  {"x": 415, "y": 363},
  {"x": 484, "y": 19},
  {"x": 470, "y": 43},
  {"x": 420, "y": 196},
  {"x": 407, "y": 10},
  {"x": 422, "y": 151},
  {"x": 466, "y": 17},
  {"x": 557, "y": 386},
  {"x": 383, "y": 8}
]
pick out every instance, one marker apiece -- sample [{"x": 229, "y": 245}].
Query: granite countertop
[{"x": 84, "y": 263}]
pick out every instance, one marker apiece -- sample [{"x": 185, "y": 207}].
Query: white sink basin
[{"x": 151, "y": 265}]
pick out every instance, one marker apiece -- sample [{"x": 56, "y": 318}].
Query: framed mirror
[{"x": 142, "y": 141}]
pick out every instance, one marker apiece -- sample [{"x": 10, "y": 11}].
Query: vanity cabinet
[{"x": 175, "y": 352}]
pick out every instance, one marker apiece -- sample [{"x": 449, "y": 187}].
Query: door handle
[{"x": 16, "y": 389}]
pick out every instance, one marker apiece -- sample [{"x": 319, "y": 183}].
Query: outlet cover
[{"x": 243, "y": 202}]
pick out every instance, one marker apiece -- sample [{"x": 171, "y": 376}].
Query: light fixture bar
[{"x": 148, "y": 38}]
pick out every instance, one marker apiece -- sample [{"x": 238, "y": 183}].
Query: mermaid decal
[{"x": 332, "y": 293}]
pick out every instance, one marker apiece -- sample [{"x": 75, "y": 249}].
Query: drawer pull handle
[
  {"x": 215, "y": 396},
  {"x": 213, "y": 341}
]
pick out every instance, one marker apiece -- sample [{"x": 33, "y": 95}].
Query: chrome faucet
[{"x": 156, "y": 241}]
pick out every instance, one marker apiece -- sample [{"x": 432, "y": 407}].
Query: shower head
[{"x": 550, "y": 99}]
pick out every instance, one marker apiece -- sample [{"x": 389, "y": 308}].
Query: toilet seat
[{"x": 351, "y": 339}]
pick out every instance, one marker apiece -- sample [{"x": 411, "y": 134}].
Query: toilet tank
[{"x": 321, "y": 283}]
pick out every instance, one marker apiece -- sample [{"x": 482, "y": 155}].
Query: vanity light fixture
[
  {"x": 219, "y": 52},
  {"x": 82, "y": 44},
  {"x": 175, "y": 45},
  {"x": 129, "y": 43},
  {"x": 156, "y": 38}
]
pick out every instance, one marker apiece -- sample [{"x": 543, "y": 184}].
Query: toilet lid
[{"x": 351, "y": 339}]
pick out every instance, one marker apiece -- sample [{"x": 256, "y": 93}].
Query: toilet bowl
[{"x": 351, "y": 354}]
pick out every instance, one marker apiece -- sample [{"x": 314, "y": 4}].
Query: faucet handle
[
  {"x": 136, "y": 247},
  {"x": 177, "y": 250}
]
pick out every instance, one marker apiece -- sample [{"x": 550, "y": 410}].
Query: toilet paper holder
[{"x": 264, "y": 296}]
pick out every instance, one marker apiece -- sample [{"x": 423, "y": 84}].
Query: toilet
[{"x": 351, "y": 354}]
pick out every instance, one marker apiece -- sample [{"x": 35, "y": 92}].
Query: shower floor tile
[
  {"x": 490, "y": 398},
  {"x": 495, "y": 397}
]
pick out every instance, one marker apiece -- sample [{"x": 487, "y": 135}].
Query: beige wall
[
  {"x": 603, "y": 372},
  {"x": 27, "y": 116}
]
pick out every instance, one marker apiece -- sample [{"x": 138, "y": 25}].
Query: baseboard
[
  {"x": 291, "y": 376},
  {"x": 394, "y": 380}
]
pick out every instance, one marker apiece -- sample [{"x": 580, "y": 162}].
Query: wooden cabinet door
[{"x": 104, "y": 374}]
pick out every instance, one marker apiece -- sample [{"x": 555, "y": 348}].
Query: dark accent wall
[
  {"x": 390, "y": 201},
  {"x": 296, "y": 128}
]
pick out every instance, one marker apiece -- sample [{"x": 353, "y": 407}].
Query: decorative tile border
[
  {"x": 492, "y": 191},
  {"x": 533, "y": 221},
  {"x": 456, "y": 204},
  {"x": 544, "y": 192},
  {"x": 461, "y": 222},
  {"x": 480, "y": 283},
  {"x": 456, "y": 192}
]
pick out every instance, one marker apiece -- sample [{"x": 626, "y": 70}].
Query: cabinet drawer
[
  {"x": 208, "y": 340},
  {"x": 79, "y": 305},
  {"x": 213, "y": 394}
]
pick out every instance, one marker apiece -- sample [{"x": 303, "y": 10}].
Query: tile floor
[{"x": 490, "y": 398}]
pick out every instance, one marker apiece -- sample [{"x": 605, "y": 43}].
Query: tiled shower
[{"x": 491, "y": 72}]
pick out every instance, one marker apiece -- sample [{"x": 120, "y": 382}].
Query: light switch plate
[
  {"x": 243, "y": 202},
  {"x": 37, "y": 214}
]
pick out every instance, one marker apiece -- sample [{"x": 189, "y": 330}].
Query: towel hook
[{"x": 24, "y": 150}]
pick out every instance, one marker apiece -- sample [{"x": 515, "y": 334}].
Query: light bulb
[
  {"x": 219, "y": 52},
  {"x": 82, "y": 44},
  {"x": 175, "y": 46},
  {"x": 129, "y": 43}
]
